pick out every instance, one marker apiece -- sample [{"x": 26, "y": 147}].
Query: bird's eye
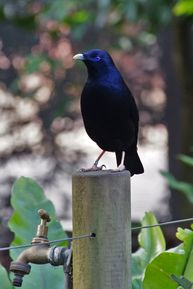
[{"x": 97, "y": 58}]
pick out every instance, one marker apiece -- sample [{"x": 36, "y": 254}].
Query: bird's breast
[
  {"x": 98, "y": 106},
  {"x": 106, "y": 117}
]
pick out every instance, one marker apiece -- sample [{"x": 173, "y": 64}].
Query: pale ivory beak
[{"x": 79, "y": 56}]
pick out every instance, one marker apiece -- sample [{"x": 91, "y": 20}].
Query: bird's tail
[{"x": 133, "y": 163}]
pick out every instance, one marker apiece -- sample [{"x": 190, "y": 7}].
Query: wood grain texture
[{"x": 101, "y": 204}]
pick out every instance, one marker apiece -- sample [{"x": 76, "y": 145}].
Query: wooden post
[{"x": 101, "y": 205}]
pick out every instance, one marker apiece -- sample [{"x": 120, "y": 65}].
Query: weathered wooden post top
[{"x": 101, "y": 205}]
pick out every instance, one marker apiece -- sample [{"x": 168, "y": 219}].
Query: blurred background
[{"x": 41, "y": 129}]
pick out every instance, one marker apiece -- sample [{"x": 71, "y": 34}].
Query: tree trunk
[{"x": 177, "y": 64}]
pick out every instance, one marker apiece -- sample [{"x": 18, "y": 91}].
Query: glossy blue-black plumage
[{"x": 109, "y": 111}]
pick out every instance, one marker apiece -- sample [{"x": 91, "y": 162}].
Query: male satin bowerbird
[{"x": 109, "y": 111}]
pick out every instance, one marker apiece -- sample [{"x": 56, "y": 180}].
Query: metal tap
[{"x": 39, "y": 253}]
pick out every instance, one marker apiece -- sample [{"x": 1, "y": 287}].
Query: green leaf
[
  {"x": 186, "y": 236},
  {"x": 5, "y": 282},
  {"x": 178, "y": 185},
  {"x": 187, "y": 160},
  {"x": 78, "y": 17},
  {"x": 27, "y": 198},
  {"x": 178, "y": 261},
  {"x": 183, "y": 7},
  {"x": 152, "y": 243}
]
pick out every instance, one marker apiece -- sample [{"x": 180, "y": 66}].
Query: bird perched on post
[{"x": 109, "y": 111}]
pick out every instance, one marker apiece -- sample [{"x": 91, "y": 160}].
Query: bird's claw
[
  {"x": 120, "y": 168},
  {"x": 94, "y": 168},
  {"x": 103, "y": 166}
]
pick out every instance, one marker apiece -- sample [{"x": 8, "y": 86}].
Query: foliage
[
  {"x": 177, "y": 261},
  {"x": 184, "y": 187},
  {"x": 27, "y": 197},
  {"x": 153, "y": 266},
  {"x": 5, "y": 279},
  {"x": 187, "y": 160},
  {"x": 100, "y": 13},
  {"x": 151, "y": 243},
  {"x": 76, "y": 15},
  {"x": 183, "y": 7}
]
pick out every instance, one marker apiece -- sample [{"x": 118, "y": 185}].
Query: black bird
[{"x": 109, "y": 111}]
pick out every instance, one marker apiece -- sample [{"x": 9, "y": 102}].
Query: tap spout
[{"x": 37, "y": 254}]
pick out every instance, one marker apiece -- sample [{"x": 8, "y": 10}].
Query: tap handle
[
  {"x": 42, "y": 229},
  {"x": 44, "y": 216}
]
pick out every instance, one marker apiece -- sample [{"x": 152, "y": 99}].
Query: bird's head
[{"x": 97, "y": 61}]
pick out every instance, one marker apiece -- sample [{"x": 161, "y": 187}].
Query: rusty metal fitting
[
  {"x": 42, "y": 229},
  {"x": 19, "y": 270},
  {"x": 58, "y": 255},
  {"x": 39, "y": 252}
]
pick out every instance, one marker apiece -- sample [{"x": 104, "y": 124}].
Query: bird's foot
[
  {"x": 120, "y": 168},
  {"x": 94, "y": 168}
]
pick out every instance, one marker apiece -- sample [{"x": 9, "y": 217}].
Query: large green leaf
[
  {"x": 27, "y": 198},
  {"x": 4, "y": 279},
  {"x": 178, "y": 262},
  {"x": 152, "y": 242}
]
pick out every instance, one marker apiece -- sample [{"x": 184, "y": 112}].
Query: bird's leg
[
  {"x": 95, "y": 166},
  {"x": 121, "y": 167}
]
